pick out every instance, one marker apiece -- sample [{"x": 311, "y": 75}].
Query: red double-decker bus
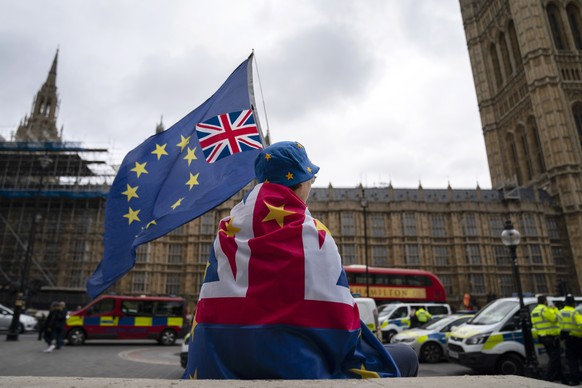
[{"x": 395, "y": 284}]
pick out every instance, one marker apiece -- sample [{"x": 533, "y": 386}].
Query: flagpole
[{"x": 267, "y": 137}]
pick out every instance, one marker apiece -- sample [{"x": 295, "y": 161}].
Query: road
[{"x": 123, "y": 359}]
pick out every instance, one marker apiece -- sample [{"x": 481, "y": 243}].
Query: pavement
[
  {"x": 145, "y": 364},
  {"x": 416, "y": 382}
]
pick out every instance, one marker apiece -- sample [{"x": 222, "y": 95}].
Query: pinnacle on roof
[{"x": 52, "y": 75}]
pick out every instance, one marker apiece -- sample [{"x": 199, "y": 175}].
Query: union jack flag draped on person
[
  {"x": 275, "y": 302},
  {"x": 166, "y": 181}
]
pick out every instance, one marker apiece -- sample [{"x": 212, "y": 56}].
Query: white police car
[
  {"x": 430, "y": 340},
  {"x": 27, "y": 323}
]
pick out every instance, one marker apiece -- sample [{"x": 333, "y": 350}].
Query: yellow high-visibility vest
[
  {"x": 576, "y": 321},
  {"x": 567, "y": 322},
  {"x": 423, "y": 316},
  {"x": 545, "y": 320}
]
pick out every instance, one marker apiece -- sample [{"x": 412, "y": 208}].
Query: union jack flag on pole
[
  {"x": 227, "y": 134},
  {"x": 170, "y": 179}
]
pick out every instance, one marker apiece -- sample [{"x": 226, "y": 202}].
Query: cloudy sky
[{"x": 378, "y": 90}]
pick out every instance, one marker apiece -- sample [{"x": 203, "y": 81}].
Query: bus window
[
  {"x": 419, "y": 281},
  {"x": 351, "y": 277},
  {"x": 102, "y": 307},
  {"x": 361, "y": 278}
]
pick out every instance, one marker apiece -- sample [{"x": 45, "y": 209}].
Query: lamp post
[
  {"x": 364, "y": 205},
  {"x": 510, "y": 238},
  {"x": 22, "y": 296}
]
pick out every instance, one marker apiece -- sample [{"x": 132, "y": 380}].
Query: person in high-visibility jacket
[
  {"x": 422, "y": 315},
  {"x": 571, "y": 331},
  {"x": 545, "y": 321}
]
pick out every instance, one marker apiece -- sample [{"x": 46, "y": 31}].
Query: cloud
[
  {"x": 317, "y": 68},
  {"x": 375, "y": 89}
]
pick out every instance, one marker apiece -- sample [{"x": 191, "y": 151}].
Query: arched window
[
  {"x": 557, "y": 27},
  {"x": 575, "y": 24},
  {"x": 505, "y": 55},
  {"x": 526, "y": 156},
  {"x": 496, "y": 67},
  {"x": 47, "y": 107},
  {"x": 577, "y": 112},
  {"x": 39, "y": 105},
  {"x": 514, "y": 44},
  {"x": 537, "y": 153},
  {"x": 514, "y": 158}
]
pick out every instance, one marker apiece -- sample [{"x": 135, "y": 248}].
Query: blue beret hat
[{"x": 285, "y": 163}]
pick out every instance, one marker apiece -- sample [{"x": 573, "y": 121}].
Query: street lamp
[
  {"x": 22, "y": 295},
  {"x": 510, "y": 238},
  {"x": 364, "y": 205}
]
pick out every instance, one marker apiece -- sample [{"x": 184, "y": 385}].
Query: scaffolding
[{"x": 60, "y": 188}]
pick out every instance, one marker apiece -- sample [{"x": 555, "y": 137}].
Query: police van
[
  {"x": 128, "y": 317},
  {"x": 395, "y": 317},
  {"x": 492, "y": 341},
  {"x": 369, "y": 314}
]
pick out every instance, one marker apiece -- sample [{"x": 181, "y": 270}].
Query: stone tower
[
  {"x": 526, "y": 58},
  {"x": 41, "y": 125}
]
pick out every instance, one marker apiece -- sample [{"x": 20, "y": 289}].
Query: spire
[
  {"x": 52, "y": 75},
  {"x": 160, "y": 126},
  {"x": 41, "y": 125}
]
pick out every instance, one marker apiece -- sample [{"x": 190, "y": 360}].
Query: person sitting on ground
[{"x": 275, "y": 301}]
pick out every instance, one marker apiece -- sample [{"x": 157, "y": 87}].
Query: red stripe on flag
[
  {"x": 252, "y": 311},
  {"x": 277, "y": 262},
  {"x": 276, "y": 274}
]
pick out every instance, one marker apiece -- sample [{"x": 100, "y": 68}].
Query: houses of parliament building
[{"x": 526, "y": 58}]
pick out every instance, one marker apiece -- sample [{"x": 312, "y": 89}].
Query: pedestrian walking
[
  {"x": 42, "y": 327},
  {"x": 545, "y": 321},
  {"x": 55, "y": 326}
]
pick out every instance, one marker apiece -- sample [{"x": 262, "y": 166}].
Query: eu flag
[{"x": 170, "y": 179}]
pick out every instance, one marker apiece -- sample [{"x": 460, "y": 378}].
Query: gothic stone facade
[
  {"x": 526, "y": 58},
  {"x": 453, "y": 233}
]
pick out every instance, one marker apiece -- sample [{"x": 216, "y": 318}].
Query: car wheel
[
  {"x": 431, "y": 352},
  {"x": 510, "y": 364},
  {"x": 76, "y": 336},
  {"x": 167, "y": 337},
  {"x": 387, "y": 336},
  {"x": 20, "y": 328}
]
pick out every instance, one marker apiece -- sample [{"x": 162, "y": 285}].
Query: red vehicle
[
  {"x": 128, "y": 317},
  {"x": 394, "y": 284}
]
